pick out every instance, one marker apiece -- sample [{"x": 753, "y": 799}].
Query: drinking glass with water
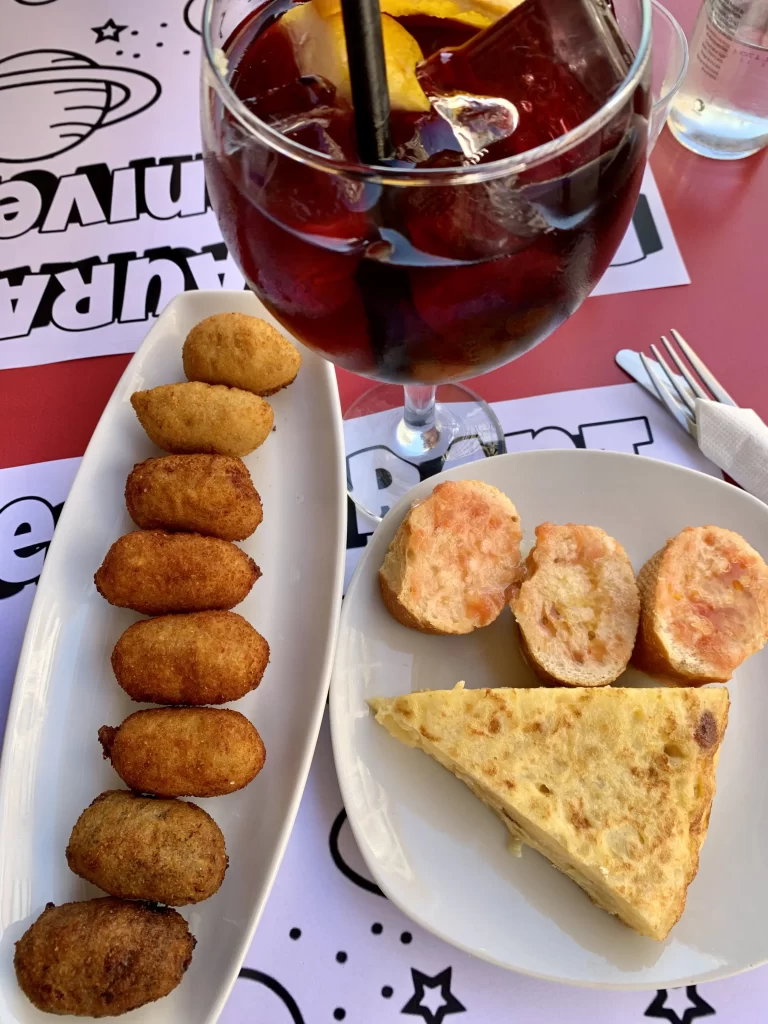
[{"x": 721, "y": 110}]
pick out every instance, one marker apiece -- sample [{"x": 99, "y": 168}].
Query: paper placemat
[
  {"x": 330, "y": 947},
  {"x": 104, "y": 215}
]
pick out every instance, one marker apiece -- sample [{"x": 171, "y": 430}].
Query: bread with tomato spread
[
  {"x": 704, "y": 607},
  {"x": 454, "y": 559},
  {"x": 578, "y": 607}
]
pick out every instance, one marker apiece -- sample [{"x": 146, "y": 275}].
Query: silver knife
[{"x": 630, "y": 363}]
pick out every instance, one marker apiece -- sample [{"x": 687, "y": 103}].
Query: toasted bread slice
[
  {"x": 578, "y": 607},
  {"x": 613, "y": 785},
  {"x": 453, "y": 560},
  {"x": 704, "y": 607}
]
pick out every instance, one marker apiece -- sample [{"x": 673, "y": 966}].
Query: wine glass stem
[
  {"x": 418, "y": 432},
  {"x": 419, "y": 411}
]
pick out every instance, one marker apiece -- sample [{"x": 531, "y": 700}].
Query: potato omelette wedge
[{"x": 613, "y": 785}]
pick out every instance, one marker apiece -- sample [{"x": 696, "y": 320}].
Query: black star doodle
[
  {"x": 450, "y": 1003},
  {"x": 109, "y": 32},
  {"x": 700, "y": 1007}
]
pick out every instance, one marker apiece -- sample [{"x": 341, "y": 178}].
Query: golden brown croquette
[
  {"x": 184, "y": 751},
  {"x": 156, "y": 572},
  {"x": 196, "y": 417},
  {"x": 200, "y": 658},
  {"x": 208, "y": 494},
  {"x": 240, "y": 351},
  {"x": 102, "y": 957},
  {"x": 141, "y": 848}
]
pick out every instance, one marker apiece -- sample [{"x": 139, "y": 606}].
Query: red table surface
[{"x": 719, "y": 214}]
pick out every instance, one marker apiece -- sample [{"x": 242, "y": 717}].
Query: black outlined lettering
[
  {"x": 161, "y": 189},
  {"x": 125, "y": 288},
  {"x": 74, "y": 202},
  {"x": 26, "y": 530}
]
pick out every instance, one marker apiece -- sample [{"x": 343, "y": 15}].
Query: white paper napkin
[{"x": 736, "y": 440}]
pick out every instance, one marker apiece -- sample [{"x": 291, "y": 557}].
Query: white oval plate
[
  {"x": 52, "y": 766},
  {"x": 441, "y": 856}
]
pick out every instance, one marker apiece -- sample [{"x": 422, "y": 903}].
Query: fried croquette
[
  {"x": 196, "y": 417},
  {"x": 184, "y": 751},
  {"x": 102, "y": 957},
  {"x": 140, "y": 848},
  {"x": 201, "y": 658},
  {"x": 208, "y": 494},
  {"x": 156, "y": 572},
  {"x": 240, "y": 351}
]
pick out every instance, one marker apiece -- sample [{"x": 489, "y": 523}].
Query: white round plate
[{"x": 441, "y": 855}]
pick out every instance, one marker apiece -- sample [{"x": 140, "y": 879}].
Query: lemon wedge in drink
[
  {"x": 320, "y": 49},
  {"x": 480, "y": 13}
]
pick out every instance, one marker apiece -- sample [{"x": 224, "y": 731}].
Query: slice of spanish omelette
[{"x": 613, "y": 785}]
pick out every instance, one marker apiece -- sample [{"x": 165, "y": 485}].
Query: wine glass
[
  {"x": 669, "y": 63},
  {"x": 417, "y": 277}
]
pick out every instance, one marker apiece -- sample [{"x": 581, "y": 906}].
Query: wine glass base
[{"x": 385, "y": 458}]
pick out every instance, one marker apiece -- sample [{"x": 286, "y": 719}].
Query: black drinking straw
[{"x": 368, "y": 78}]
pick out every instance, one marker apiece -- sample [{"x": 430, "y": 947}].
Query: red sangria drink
[{"x": 519, "y": 132}]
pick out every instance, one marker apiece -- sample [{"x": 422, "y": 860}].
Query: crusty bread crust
[
  {"x": 389, "y": 593},
  {"x": 719, "y": 591},
  {"x": 530, "y": 659},
  {"x": 392, "y": 578},
  {"x": 453, "y": 560},
  {"x": 649, "y": 654},
  {"x": 578, "y": 608}
]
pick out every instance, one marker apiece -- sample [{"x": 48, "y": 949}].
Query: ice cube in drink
[{"x": 540, "y": 71}]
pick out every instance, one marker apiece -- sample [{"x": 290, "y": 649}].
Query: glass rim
[
  {"x": 377, "y": 174},
  {"x": 682, "y": 42}
]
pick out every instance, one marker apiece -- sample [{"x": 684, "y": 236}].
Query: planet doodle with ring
[{"x": 65, "y": 97}]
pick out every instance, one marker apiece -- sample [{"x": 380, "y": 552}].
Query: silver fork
[{"x": 678, "y": 393}]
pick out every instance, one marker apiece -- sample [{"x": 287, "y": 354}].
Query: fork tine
[
  {"x": 666, "y": 398},
  {"x": 686, "y": 398},
  {"x": 693, "y": 384},
  {"x": 706, "y": 375},
  {"x": 661, "y": 389}
]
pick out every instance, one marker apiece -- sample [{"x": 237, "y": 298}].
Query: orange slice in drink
[
  {"x": 320, "y": 49},
  {"x": 480, "y": 13}
]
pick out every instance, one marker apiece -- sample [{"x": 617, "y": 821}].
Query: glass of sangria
[{"x": 519, "y": 132}]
